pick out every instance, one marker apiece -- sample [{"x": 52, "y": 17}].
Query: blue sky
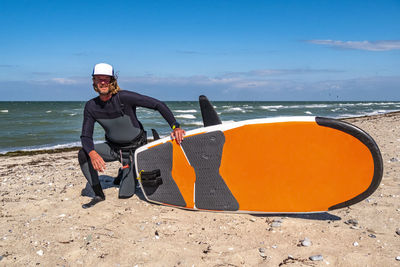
[{"x": 227, "y": 50}]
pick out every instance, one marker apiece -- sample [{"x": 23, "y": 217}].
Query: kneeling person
[{"x": 115, "y": 110}]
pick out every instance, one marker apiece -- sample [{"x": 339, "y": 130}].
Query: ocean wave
[
  {"x": 316, "y": 106},
  {"x": 248, "y": 107},
  {"x": 186, "y": 116},
  {"x": 361, "y": 114},
  {"x": 48, "y": 111},
  {"x": 235, "y": 110},
  {"x": 376, "y": 103},
  {"x": 308, "y": 112},
  {"x": 272, "y": 107},
  {"x": 366, "y": 104},
  {"x": 291, "y": 107},
  {"x": 200, "y": 123},
  {"x": 194, "y": 123},
  {"x": 73, "y": 114},
  {"x": 185, "y": 111},
  {"x": 44, "y": 147},
  {"x": 145, "y": 111},
  {"x": 4, "y": 111}
]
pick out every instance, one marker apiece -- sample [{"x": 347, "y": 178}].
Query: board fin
[
  {"x": 208, "y": 113},
  {"x": 155, "y": 134}
]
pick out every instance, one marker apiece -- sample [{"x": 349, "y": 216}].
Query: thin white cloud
[
  {"x": 278, "y": 72},
  {"x": 381, "y": 45},
  {"x": 227, "y": 88},
  {"x": 65, "y": 81},
  {"x": 248, "y": 79},
  {"x": 61, "y": 81},
  {"x": 256, "y": 84}
]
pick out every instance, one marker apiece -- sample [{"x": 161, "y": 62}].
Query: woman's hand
[
  {"x": 178, "y": 134},
  {"x": 97, "y": 161}
]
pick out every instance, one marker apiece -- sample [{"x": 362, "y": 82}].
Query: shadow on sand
[
  {"x": 320, "y": 216},
  {"x": 107, "y": 182}
]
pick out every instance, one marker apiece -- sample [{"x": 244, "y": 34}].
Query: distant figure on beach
[{"x": 115, "y": 110}]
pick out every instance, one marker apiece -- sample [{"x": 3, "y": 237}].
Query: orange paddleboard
[{"x": 278, "y": 165}]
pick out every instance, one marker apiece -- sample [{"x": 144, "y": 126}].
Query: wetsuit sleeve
[
  {"x": 135, "y": 99},
  {"x": 87, "y": 131}
]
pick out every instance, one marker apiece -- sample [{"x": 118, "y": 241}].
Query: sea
[{"x": 41, "y": 125}]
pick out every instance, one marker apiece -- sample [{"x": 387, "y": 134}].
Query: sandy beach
[{"x": 42, "y": 222}]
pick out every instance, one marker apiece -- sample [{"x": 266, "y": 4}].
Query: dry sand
[{"x": 42, "y": 222}]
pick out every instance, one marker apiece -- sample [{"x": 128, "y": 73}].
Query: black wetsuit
[{"x": 123, "y": 131}]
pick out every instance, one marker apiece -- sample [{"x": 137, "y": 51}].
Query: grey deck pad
[
  {"x": 204, "y": 152},
  {"x": 160, "y": 157}
]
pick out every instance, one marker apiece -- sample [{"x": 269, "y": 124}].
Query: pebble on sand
[
  {"x": 276, "y": 223},
  {"x": 316, "y": 258},
  {"x": 39, "y": 252},
  {"x": 353, "y": 222},
  {"x": 398, "y": 231},
  {"x": 306, "y": 242},
  {"x": 398, "y": 258},
  {"x": 262, "y": 252}
]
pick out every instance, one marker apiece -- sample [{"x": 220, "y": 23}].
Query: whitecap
[
  {"x": 48, "y": 111},
  {"x": 235, "y": 109},
  {"x": 73, "y": 114},
  {"x": 316, "y": 106},
  {"x": 271, "y": 107},
  {"x": 48, "y": 147},
  {"x": 196, "y": 123},
  {"x": 372, "y": 113},
  {"x": 4, "y": 111},
  {"x": 346, "y": 105},
  {"x": 185, "y": 111},
  {"x": 365, "y": 104},
  {"x": 308, "y": 112},
  {"x": 186, "y": 116}
]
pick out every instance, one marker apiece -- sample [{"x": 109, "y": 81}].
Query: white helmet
[{"x": 103, "y": 69}]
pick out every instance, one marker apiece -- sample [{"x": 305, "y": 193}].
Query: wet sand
[{"x": 42, "y": 222}]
